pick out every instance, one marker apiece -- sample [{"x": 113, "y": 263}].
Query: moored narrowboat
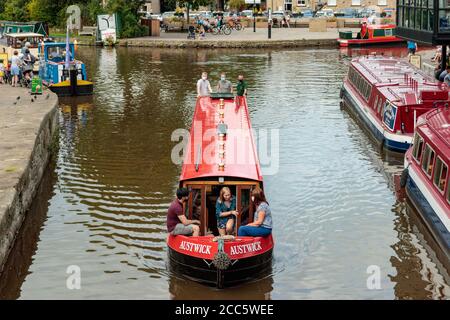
[
  {"x": 388, "y": 95},
  {"x": 227, "y": 157},
  {"x": 64, "y": 76},
  {"x": 426, "y": 175},
  {"x": 369, "y": 35}
]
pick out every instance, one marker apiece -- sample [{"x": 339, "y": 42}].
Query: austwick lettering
[{"x": 195, "y": 247}]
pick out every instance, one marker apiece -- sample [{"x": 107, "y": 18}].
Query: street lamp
[{"x": 254, "y": 15}]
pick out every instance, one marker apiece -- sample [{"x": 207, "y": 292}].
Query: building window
[
  {"x": 382, "y": 2},
  {"x": 356, "y": 2},
  {"x": 301, "y": 3},
  {"x": 331, "y": 3}
]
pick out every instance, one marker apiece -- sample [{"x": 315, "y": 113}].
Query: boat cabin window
[
  {"x": 56, "y": 54},
  {"x": 382, "y": 32},
  {"x": 448, "y": 194},
  {"x": 380, "y": 105},
  {"x": 375, "y": 104},
  {"x": 428, "y": 160},
  {"x": 360, "y": 83},
  {"x": 440, "y": 175},
  {"x": 418, "y": 147},
  {"x": 202, "y": 205},
  {"x": 18, "y": 42}
]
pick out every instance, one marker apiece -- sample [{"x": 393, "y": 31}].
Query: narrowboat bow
[{"x": 210, "y": 164}]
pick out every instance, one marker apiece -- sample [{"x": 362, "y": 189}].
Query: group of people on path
[
  {"x": 226, "y": 214},
  {"x": 19, "y": 61}
]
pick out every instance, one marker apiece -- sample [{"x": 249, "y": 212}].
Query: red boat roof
[
  {"x": 435, "y": 124},
  {"x": 203, "y": 156},
  {"x": 399, "y": 81}
]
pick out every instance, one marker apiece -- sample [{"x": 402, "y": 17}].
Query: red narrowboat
[
  {"x": 426, "y": 175},
  {"x": 370, "y": 35},
  {"x": 220, "y": 152},
  {"x": 388, "y": 95}
]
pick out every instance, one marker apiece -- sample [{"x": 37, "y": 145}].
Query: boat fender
[
  {"x": 341, "y": 93},
  {"x": 221, "y": 260},
  {"x": 404, "y": 177}
]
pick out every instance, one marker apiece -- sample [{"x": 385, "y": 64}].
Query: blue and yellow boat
[{"x": 62, "y": 73}]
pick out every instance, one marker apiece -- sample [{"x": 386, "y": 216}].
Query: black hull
[{"x": 203, "y": 271}]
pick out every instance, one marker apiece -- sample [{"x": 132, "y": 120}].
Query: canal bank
[
  {"x": 280, "y": 38},
  {"x": 28, "y": 132}
]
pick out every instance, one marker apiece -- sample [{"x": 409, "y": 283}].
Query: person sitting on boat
[
  {"x": 262, "y": 221},
  {"x": 177, "y": 223},
  {"x": 203, "y": 86},
  {"x": 224, "y": 85},
  {"x": 226, "y": 211}
]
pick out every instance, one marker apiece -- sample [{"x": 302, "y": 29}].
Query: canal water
[{"x": 340, "y": 231}]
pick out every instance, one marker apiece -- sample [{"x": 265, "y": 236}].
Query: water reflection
[{"x": 334, "y": 207}]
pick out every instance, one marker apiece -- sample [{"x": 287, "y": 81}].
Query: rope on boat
[{"x": 221, "y": 260}]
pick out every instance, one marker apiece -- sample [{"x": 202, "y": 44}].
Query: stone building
[{"x": 336, "y": 5}]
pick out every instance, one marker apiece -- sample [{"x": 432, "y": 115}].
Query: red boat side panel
[
  {"x": 202, "y": 157},
  {"x": 206, "y": 248}
]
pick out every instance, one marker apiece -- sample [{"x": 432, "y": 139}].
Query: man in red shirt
[{"x": 177, "y": 223}]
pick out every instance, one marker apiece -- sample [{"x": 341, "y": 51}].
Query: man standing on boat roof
[
  {"x": 203, "y": 86},
  {"x": 241, "y": 90},
  {"x": 177, "y": 223},
  {"x": 224, "y": 85}
]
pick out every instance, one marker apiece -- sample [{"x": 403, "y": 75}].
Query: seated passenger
[
  {"x": 226, "y": 211},
  {"x": 177, "y": 223},
  {"x": 262, "y": 221}
]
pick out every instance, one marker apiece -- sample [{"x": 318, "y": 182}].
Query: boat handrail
[
  {"x": 371, "y": 72},
  {"x": 398, "y": 98},
  {"x": 436, "y": 132}
]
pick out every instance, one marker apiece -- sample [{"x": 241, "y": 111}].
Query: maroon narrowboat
[
  {"x": 426, "y": 175},
  {"x": 388, "y": 95}
]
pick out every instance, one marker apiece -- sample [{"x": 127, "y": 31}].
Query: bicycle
[
  {"x": 235, "y": 25},
  {"x": 224, "y": 29}
]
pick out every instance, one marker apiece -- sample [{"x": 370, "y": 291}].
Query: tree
[
  {"x": 236, "y": 4},
  {"x": 191, "y": 4},
  {"x": 15, "y": 10},
  {"x": 127, "y": 10}
]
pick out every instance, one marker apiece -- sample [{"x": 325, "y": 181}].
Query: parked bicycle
[
  {"x": 235, "y": 25},
  {"x": 224, "y": 29}
]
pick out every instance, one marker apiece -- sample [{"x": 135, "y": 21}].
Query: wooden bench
[{"x": 88, "y": 31}]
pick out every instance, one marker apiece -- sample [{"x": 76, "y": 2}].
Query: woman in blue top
[
  {"x": 262, "y": 221},
  {"x": 226, "y": 211}
]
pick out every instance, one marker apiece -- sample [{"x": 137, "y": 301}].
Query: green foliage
[
  {"x": 14, "y": 10},
  {"x": 127, "y": 11},
  {"x": 193, "y": 4},
  {"x": 54, "y": 12},
  {"x": 236, "y": 4}
]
